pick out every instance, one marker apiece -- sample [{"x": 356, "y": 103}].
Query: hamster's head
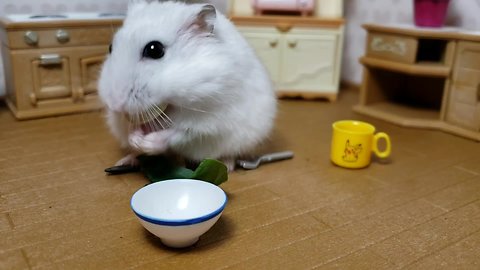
[{"x": 165, "y": 53}]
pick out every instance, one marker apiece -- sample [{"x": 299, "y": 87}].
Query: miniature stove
[
  {"x": 64, "y": 16},
  {"x": 52, "y": 61}
]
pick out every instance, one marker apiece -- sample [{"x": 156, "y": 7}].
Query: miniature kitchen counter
[{"x": 52, "y": 62}]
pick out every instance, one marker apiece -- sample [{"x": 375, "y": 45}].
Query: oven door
[{"x": 49, "y": 77}]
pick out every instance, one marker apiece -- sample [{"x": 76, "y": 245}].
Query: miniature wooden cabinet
[
  {"x": 303, "y": 55},
  {"x": 464, "y": 98},
  {"x": 424, "y": 78},
  {"x": 52, "y": 66}
]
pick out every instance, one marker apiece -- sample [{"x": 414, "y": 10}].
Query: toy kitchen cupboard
[
  {"x": 424, "y": 78},
  {"x": 52, "y": 62},
  {"x": 302, "y": 53}
]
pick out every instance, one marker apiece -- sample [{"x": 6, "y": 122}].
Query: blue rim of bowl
[{"x": 182, "y": 222}]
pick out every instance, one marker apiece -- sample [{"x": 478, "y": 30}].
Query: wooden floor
[{"x": 420, "y": 209}]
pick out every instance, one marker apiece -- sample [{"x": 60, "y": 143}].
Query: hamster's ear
[
  {"x": 205, "y": 19},
  {"x": 132, "y": 3}
]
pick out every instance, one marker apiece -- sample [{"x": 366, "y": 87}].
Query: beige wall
[{"x": 461, "y": 13}]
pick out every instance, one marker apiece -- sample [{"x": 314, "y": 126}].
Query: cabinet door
[
  {"x": 41, "y": 77},
  {"x": 267, "y": 48},
  {"x": 309, "y": 62},
  {"x": 85, "y": 65},
  {"x": 464, "y": 101}
]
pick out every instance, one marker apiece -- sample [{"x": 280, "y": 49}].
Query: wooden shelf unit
[
  {"x": 425, "y": 68},
  {"x": 422, "y": 78}
]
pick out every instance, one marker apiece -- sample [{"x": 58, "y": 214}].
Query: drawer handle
[
  {"x": 284, "y": 27},
  {"x": 33, "y": 99},
  {"x": 62, "y": 36},
  {"x": 397, "y": 47},
  {"x": 50, "y": 59},
  {"x": 31, "y": 38},
  {"x": 273, "y": 43},
  {"x": 79, "y": 95},
  {"x": 292, "y": 44}
]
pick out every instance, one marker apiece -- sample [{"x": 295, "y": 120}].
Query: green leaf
[
  {"x": 211, "y": 170},
  {"x": 159, "y": 168}
]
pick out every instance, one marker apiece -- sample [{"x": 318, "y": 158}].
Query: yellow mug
[{"x": 353, "y": 143}]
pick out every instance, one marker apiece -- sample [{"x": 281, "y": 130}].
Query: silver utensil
[{"x": 253, "y": 164}]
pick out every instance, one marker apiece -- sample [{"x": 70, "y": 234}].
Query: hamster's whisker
[
  {"x": 129, "y": 127},
  {"x": 167, "y": 122},
  {"x": 159, "y": 123},
  {"x": 147, "y": 115},
  {"x": 154, "y": 125},
  {"x": 156, "y": 122},
  {"x": 215, "y": 99},
  {"x": 194, "y": 109},
  {"x": 151, "y": 124},
  {"x": 136, "y": 120},
  {"x": 142, "y": 121},
  {"x": 165, "y": 118}
]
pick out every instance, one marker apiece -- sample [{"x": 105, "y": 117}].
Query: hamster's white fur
[{"x": 220, "y": 98}]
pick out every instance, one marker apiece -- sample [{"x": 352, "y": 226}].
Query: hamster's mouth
[{"x": 152, "y": 119}]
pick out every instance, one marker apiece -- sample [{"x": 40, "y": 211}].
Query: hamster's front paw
[
  {"x": 151, "y": 143},
  {"x": 229, "y": 163},
  {"x": 130, "y": 159}
]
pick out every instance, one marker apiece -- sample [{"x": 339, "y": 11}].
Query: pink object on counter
[
  {"x": 303, "y": 6},
  {"x": 430, "y": 13}
]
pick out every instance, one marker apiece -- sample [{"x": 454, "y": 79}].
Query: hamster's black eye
[
  {"x": 110, "y": 48},
  {"x": 154, "y": 50}
]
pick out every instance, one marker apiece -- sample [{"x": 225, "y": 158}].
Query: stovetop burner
[
  {"x": 66, "y": 16},
  {"x": 46, "y": 16},
  {"x": 111, "y": 14}
]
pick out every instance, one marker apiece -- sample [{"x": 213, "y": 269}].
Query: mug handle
[{"x": 388, "y": 147}]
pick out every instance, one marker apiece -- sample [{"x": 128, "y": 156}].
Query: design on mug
[{"x": 351, "y": 152}]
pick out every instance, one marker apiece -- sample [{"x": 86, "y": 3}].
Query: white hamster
[{"x": 181, "y": 79}]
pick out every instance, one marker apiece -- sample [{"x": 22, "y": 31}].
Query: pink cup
[{"x": 430, "y": 13}]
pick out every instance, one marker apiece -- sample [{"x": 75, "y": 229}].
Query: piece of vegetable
[{"x": 159, "y": 168}]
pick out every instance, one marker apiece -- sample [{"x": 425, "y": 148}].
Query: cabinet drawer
[
  {"x": 60, "y": 37},
  {"x": 392, "y": 47},
  {"x": 468, "y": 80},
  {"x": 464, "y": 114},
  {"x": 464, "y": 101}
]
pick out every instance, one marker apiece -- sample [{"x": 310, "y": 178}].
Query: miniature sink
[{"x": 179, "y": 211}]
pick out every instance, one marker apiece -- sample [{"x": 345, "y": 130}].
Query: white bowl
[{"x": 179, "y": 211}]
